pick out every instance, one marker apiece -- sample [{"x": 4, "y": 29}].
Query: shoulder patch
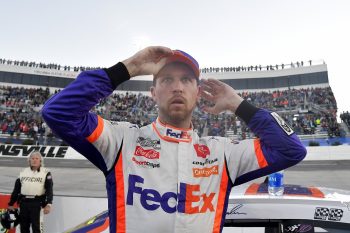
[{"x": 286, "y": 128}]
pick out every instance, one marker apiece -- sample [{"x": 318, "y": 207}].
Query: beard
[{"x": 174, "y": 116}]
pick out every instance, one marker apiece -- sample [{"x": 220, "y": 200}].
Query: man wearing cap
[{"x": 163, "y": 177}]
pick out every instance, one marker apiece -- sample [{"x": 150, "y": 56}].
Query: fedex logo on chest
[{"x": 189, "y": 198}]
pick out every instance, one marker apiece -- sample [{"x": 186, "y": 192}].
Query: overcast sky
[{"x": 216, "y": 33}]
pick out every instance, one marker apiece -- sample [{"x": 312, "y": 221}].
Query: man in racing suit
[{"x": 163, "y": 177}]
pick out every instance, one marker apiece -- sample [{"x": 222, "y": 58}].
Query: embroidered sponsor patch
[
  {"x": 286, "y": 128},
  {"x": 147, "y": 153},
  {"x": 145, "y": 164},
  {"x": 205, "y": 172},
  {"x": 202, "y": 150},
  {"x": 147, "y": 142},
  {"x": 206, "y": 162}
]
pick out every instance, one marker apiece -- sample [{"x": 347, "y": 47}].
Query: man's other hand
[{"x": 222, "y": 96}]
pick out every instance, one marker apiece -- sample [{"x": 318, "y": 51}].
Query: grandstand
[{"x": 299, "y": 93}]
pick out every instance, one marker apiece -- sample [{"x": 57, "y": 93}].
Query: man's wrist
[
  {"x": 118, "y": 74},
  {"x": 236, "y": 102},
  {"x": 130, "y": 66},
  {"x": 246, "y": 111}
]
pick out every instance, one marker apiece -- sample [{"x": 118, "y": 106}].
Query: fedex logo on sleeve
[{"x": 189, "y": 199}]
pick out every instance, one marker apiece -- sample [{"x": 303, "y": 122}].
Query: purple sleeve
[
  {"x": 68, "y": 114},
  {"x": 280, "y": 146}
]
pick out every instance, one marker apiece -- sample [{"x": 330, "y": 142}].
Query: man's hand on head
[
  {"x": 222, "y": 96},
  {"x": 147, "y": 61}
]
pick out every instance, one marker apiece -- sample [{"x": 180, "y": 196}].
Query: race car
[{"x": 251, "y": 209}]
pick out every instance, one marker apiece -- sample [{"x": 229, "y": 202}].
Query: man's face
[
  {"x": 35, "y": 161},
  {"x": 176, "y": 93}
]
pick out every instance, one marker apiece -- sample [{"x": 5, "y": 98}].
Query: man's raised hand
[
  {"x": 222, "y": 96},
  {"x": 147, "y": 61}
]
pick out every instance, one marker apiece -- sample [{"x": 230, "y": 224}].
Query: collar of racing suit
[{"x": 171, "y": 133}]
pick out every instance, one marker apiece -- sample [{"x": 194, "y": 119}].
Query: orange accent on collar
[
  {"x": 167, "y": 138},
  {"x": 173, "y": 127}
]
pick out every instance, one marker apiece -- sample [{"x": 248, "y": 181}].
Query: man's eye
[
  {"x": 167, "y": 79},
  {"x": 186, "y": 79}
]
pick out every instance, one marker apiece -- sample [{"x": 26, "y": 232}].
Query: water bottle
[{"x": 276, "y": 184}]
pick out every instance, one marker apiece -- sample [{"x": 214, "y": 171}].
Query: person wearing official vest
[{"x": 33, "y": 192}]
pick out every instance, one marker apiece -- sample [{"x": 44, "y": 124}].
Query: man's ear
[
  {"x": 199, "y": 88},
  {"x": 153, "y": 93}
]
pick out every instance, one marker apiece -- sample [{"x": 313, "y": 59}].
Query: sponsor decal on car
[
  {"x": 235, "y": 210},
  {"x": 299, "y": 228},
  {"x": 332, "y": 214}
]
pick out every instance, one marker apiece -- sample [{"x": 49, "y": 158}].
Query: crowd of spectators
[
  {"x": 292, "y": 98},
  {"x": 51, "y": 66},
  {"x": 203, "y": 70},
  {"x": 141, "y": 110},
  {"x": 19, "y": 111},
  {"x": 255, "y": 68}
]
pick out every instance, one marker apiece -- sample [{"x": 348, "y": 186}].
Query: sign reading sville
[{"x": 24, "y": 150}]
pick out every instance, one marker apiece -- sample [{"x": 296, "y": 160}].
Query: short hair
[{"x": 36, "y": 152}]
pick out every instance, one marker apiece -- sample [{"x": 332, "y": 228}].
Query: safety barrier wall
[{"x": 341, "y": 152}]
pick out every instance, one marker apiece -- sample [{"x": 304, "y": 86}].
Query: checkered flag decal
[
  {"x": 321, "y": 213},
  {"x": 330, "y": 214},
  {"x": 335, "y": 214}
]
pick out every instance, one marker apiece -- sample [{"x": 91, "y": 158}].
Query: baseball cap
[{"x": 183, "y": 57}]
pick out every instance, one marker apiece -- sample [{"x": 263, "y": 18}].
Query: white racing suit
[{"x": 160, "y": 178}]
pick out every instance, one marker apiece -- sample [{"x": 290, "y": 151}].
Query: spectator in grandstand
[
  {"x": 163, "y": 177},
  {"x": 345, "y": 117},
  {"x": 33, "y": 192}
]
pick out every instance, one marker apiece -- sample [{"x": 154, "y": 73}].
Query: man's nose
[{"x": 178, "y": 86}]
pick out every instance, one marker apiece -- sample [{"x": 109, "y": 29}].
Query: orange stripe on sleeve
[
  {"x": 259, "y": 154},
  {"x": 221, "y": 200},
  {"x": 120, "y": 200},
  {"x": 97, "y": 132}
]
